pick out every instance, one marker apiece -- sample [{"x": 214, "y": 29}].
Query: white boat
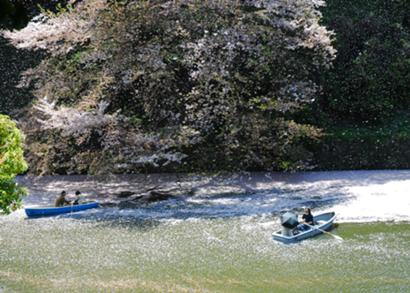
[{"x": 322, "y": 222}]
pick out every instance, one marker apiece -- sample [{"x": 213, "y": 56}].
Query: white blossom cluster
[
  {"x": 43, "y": 32},
  {"x": 70, "y": 120}
]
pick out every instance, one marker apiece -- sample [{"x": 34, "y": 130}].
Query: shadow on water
[
  {"x": 212, "y": 197},
  {"x": 147, "y": 216}
]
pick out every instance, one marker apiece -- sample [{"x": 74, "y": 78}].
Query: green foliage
[
  {"x": 370, "y": 80},
  {"x": 344, "y": 147},
  {"x": 11, "y": 152},
  {"x": 56, "y": 9},
  {"x": 10, "y": 196},
  {"x": 12, "y": 163}
]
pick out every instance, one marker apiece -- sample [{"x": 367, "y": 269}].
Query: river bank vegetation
[
  {"x": 12, "y": 163},
  {"x": 109, "y": 86}
]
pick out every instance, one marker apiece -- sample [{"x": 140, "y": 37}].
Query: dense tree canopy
[
  {"x": 15, "y": 14},
  {"x": 148, "y": 84},
  {"x": 161, "y": 85},
  {"x": 12, "y": 163},
  {"x": 370, "y": 80}
]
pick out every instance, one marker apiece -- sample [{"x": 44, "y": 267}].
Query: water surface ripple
[{"x": 214, "y": 236}]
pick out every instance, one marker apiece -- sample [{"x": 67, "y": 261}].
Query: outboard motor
[{"x": 289, "y": 221}]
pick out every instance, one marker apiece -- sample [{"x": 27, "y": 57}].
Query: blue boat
[
  {"x": 322, "y": 222},
  {"x": 52, "y": 211}
]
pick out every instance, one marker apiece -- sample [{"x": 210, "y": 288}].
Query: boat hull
[
  {"x": 52, "y": 211},
  {"x": 326, "y": 222}
]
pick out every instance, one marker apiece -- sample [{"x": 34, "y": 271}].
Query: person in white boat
[{"x": 307, "y": 220}]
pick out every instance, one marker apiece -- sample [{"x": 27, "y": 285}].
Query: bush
[{"x": 12, "y": 163}]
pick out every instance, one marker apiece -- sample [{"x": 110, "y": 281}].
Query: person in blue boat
[
  {"x": 61, "y": 200},
  {"x": 76, "y": 200},
  {"x": 307, "y": 219}
]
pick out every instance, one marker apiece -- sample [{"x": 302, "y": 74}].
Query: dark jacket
[{"x": 308, "y": 219}]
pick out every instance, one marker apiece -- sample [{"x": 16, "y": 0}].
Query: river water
[{"x": 214, "y": 236}]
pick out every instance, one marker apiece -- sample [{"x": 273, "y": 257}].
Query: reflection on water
[{"x": 215, "y": 240}]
